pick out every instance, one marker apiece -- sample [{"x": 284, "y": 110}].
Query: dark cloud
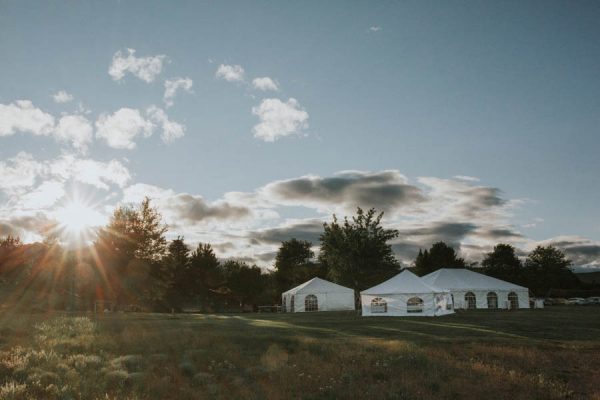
[
  {"x": 195, "y": 209},
  {"x": 579, "y": 250},
  {"x": 498, "y": 234},
  {"x": 308, "y": 230},
  {"x": 38, "y": 224},
  {"x": 383, "y": 190}
]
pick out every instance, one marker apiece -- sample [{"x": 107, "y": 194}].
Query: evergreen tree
[{"x": 440, "y": 255}]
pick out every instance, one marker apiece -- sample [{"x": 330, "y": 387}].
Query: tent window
[
  {"x": 378, "y": 305},
  {"x": 292, "y": 304},
  {"x": 284, "y": 304},
  {"x": 449, "y": 304},
  {"x": 311, "y": 303},
  {"x": 471, "y": 300},
  {"x": 414, "y": 305},
  {"x": 513, "y": 300},
  {"x": 492, "y": 300}
]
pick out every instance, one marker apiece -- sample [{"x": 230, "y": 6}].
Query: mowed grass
[{"x": 531, "y": 354}]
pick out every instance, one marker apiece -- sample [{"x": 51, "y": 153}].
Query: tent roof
[
  {"x": 404, "y": 282},
  {"x": 318, "y": 285},
  {"x": 455, "y": 278}
]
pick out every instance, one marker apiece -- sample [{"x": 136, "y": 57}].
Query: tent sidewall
[
  {"x": 481, "y": 298},
  {"x": 331, "y": 301},
  {"x": 434, "y": 304}
]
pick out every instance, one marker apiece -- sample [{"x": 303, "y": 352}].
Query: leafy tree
[
  {"x": 177, "y": 270},
  {"x": 205, "y": 274},
  {"x": 131, "y": 249},
  {"x": 548, "y": 268},
  {"x": 503, "y": 263},
  {"x": 356, "y": 253},
  {"x": 294, "y": 265},
  {"x": 440, "y": 255},
  {"x": 245, "y": 283}
]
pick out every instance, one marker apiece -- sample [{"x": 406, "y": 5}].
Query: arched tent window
[
  {"x": 414, "y": 305},
  {"x": 513, "y": 300},
  {"x": 311, "y": 303},
  {"x": 292, "y": 303},
  {"x": 378, "y": 306},
  {"x": 471, "y": 300},
  {"x": 492, "y": 300},
  {"x": 284, "y": 303}
]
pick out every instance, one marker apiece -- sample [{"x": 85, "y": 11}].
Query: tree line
[{"x": 131, "y": 265}]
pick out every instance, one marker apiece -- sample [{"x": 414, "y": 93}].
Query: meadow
[{"x": 527, "y": 354}]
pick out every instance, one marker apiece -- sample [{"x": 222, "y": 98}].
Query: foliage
[
  {"x": 294, "y": 265},
  {"x": 356, "y": 253},
  {"x": 440, "y": 255},
  {"x": 548, "y": 268}
]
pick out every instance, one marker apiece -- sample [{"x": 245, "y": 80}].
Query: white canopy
[
  {"x": 471, "y": 289},
  {"x": 318, "y": 295},
  {"x": 405, "y": 294}
]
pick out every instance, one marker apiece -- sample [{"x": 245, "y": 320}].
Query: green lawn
[{"x": 535, "y": 354}]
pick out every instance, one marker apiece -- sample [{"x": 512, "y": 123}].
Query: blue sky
[{"x": 505, "y": 92}]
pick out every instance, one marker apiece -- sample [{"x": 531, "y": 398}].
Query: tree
[
  {"x": 356, "y": 253},
  {"x": 177, "y": 270},
  {"x": 294, "y": 265},
  {"x": 245, "y": 283},
  {"x": 440, "y": 255},
  {"x": 130, "y": 250},
  {"x": 503, "y": 263},
  {"x": 548, "y": 268},
  {"x": 205, "y": 274}
]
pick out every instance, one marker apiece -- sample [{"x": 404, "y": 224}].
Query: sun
[{"x": 77, "y": 218}]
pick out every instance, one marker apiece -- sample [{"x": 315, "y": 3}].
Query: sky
[{"x": 248, "y": 123}]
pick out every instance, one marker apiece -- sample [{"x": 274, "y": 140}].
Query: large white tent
[
  {"x": 318, "y": 295},
  {"x": 405, "y": 295},
  {"x": 472, "y": 290}
]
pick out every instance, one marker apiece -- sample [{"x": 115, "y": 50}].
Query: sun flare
[{"x": 76, "y": 218}]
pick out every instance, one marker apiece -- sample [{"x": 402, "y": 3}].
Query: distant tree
[
  {"x": 356, "y": 253},
  {"x": 440, "y": 255},
  {"x": 245, "y": 283},
  {"x": 131, "y": 248},
  {"x": 548, "y": 268},
  {"x": 294, "y": 265},
  {"x": 205, "y": 275},
  {"x": 176, "y": 266},
  {"x": 503, "y": 263}
]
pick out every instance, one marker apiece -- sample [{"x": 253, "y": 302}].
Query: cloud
[
  {"x": 19, "y": 171},
  {"x": 74, "y": 129},
  {"x": 62, "y": 97},
  {"x": 144, "y": 68},
  {"x": 121, "y": 128},
  {"x": 171, "y": 130},
  {"x": 230, "y": 73},
  {"x": 310, "y": 230},
  {"x": 265, "y": 83},
  {"x": 279, "y": 119},
  {"x": 184, "y": 208},
  {"x": 384, "y": 190},
  {"x": 581, "y": 251},
  {"x": 92, "y": 172},
  {"x": 171, "y": 87},
  {"x": 375, "y": 29},
  {"x": 22, "y": 116},
  {"x": 44, "y": 196},
  {"x": 29, "y": 227}
]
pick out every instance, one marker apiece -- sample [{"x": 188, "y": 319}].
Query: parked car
[
  {"x": 576, "y": 300},
  {"x": 592, "y": 300}
]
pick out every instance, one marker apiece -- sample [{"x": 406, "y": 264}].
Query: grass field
[{"x": 531, "y": 354}]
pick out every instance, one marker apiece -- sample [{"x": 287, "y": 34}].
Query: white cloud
[
  {"x": 231, "y": 73},
  {"x": 121, "y": 128},
  {"x": 375, "y": 29},
  {"x": 171, "y": 130},
  {"x": 45, "y": 195},
  {"x": 96, "y": 173},
  {"x": 145, "y": 68},
  {"x": 279, "y": 119},
  {"x": 76, "y": 130},
  {"x": 22, "y": 116},
  {"x": 171, "y": 87},
  {"x": 264, "y": 84},
  {"x": 62, "y": 97},
  {"x": 19, "y": 172}
]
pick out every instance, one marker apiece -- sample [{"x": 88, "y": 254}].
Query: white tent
[
  {"x": 318, "y": 295},
  {"x": 474, "y": 290},
  {"x": 405, "y": 295}
]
